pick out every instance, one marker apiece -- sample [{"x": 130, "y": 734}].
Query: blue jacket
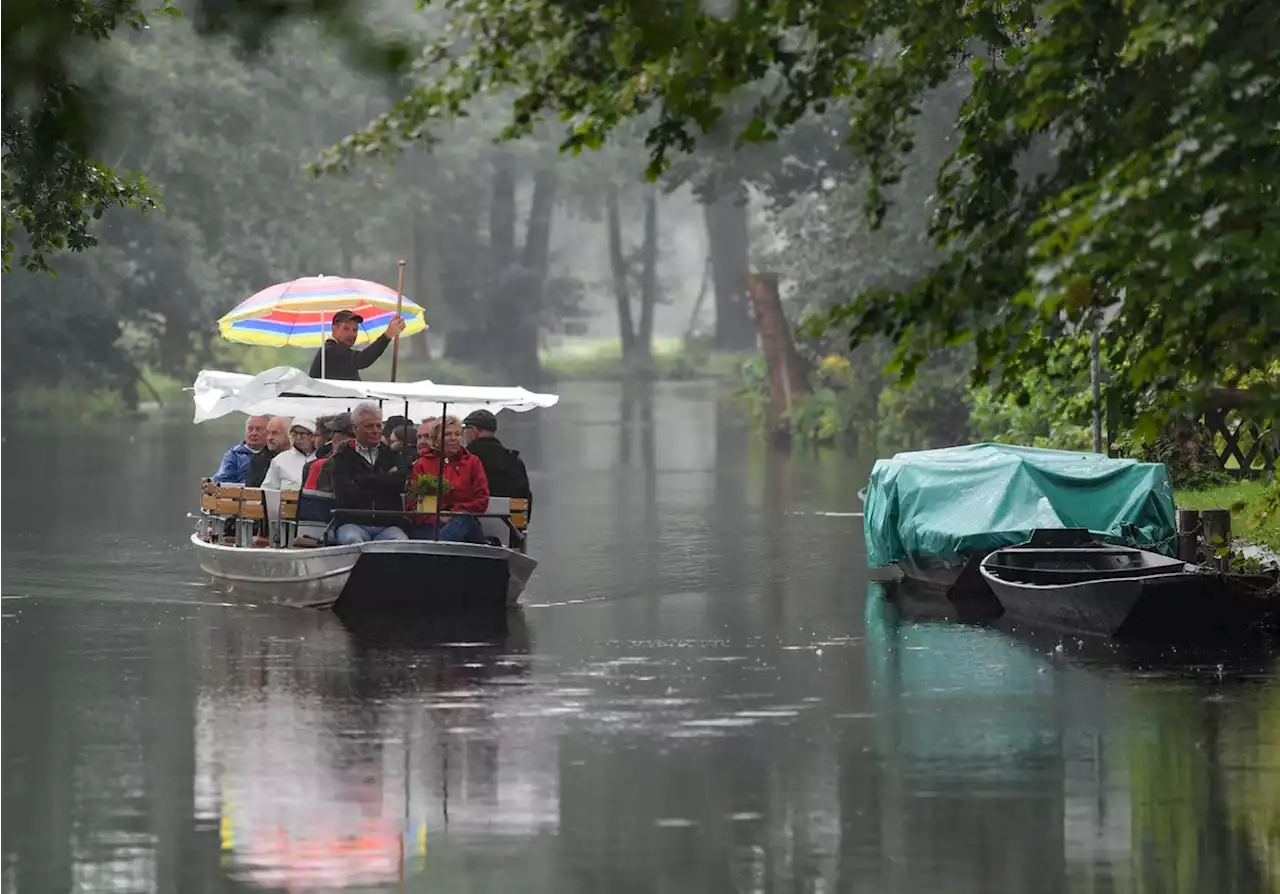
[{"x": 235, "y": 465}]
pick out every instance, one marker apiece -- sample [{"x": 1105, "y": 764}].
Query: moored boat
[
  {"x": 1104, "y": 590},
  {"x": 1092, "y": 588},
  {"x": 936, "y": 514},
  {"x": 398, "y": 576}
]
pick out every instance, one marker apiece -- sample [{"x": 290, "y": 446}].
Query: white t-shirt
[{"x": 285, "y": 472}]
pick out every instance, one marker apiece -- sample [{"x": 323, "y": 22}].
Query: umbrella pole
[
  {"x": 324, "y": 345},
  {"x": 395, "y": 346}
]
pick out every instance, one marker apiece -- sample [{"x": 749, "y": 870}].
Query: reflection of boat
[
  {"x": 1107, "y": 590},
  {"x": 327, "y": 752},
  {"x": 395, "y": 575},
  {"x": 937, "y": 513}
]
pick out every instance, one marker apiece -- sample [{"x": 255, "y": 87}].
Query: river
[{"x": 703, "y": 693}]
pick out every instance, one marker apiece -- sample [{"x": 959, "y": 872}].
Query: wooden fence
[{"x": 1245, "y": 441}]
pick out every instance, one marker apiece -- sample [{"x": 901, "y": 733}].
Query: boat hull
[
  {"x": 1154, "y": 598},
  {"x": 375, "y": 577},
  {"x": 959, "y": 582}
]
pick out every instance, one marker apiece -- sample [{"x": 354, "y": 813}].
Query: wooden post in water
[
  {"x": 1095, "y": 381},
  {"x": 1216, "y": 524},
  {"x": 787, "y": 374},
  {"x": 1189, "y": 535}
]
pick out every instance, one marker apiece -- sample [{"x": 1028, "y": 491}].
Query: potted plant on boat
[{"x": 426, "y": 489}]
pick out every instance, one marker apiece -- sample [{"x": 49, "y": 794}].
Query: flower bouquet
[{"x": 426, "y": 489}]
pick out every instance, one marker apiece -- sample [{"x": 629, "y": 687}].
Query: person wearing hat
[
  {"x": 339, "y": 357},
  {"x": 285, "y": 472},
  {"x": 342, "y": 428},
  {"x": 502, "y": 466}
]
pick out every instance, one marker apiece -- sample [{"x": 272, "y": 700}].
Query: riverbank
[{"x": 1247, "y": 501}]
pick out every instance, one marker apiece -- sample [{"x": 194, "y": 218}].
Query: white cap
[{"x": 303, "y": 422}]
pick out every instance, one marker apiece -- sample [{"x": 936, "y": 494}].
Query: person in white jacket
[{"x": 286, "y": 469}]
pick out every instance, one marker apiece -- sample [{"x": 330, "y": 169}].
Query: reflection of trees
[{"x": 1195, "y": 825}]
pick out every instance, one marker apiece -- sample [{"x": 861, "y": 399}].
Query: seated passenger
[
  {"x": 367, "y": 475},
  {"x": 323, "y": 436},
  {"x": 234, "y": 468},
  {"x": 317, "y": 474},
  {"x": 404, "y": 437},
  {"x": 502, "y": 466},
  {"x": 468, "y": 489},
  {"x": 316, "y": 502},
  {"x": 285, "y": 472},
  {"x": 277, "y": 443}
]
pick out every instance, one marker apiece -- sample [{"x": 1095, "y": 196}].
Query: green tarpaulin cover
[{"x": 946, "y": 503}]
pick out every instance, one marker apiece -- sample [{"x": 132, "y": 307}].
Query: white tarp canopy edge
[{"x": 287, "y": 391}]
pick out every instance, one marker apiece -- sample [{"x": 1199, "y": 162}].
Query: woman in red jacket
[{"x": 468, "y": 488}]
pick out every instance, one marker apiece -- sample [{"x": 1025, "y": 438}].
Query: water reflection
[{"x": 702, "y": 695}]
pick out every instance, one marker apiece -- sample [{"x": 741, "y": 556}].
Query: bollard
[
  {"x": 1216, "y": 524},
  {"x": 1189, "y": 535}
]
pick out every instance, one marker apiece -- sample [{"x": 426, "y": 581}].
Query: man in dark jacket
[
  {"x": 340, "y": 358},
  {"x": 367, "y": 475},
  {"x": 502, "y": 466}
]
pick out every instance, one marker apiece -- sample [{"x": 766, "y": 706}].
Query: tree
[{"x": 1160, "y": 202}]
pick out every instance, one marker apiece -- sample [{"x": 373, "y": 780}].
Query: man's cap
[
  {"x": 343, "y": 424},
  {"x": 343, "y": 315},
  {"x": 481, "y": 419},
  {"x": 302, "y": 422}
]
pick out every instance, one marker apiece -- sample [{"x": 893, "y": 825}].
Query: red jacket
[
  {"x": 468, "y": 487},
  {"x": 313, "y": 473}
]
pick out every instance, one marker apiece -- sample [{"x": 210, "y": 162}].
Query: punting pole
[{"x": 395, "y": 342}]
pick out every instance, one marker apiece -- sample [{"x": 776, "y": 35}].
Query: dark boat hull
[
  {"x": 961, "y": 583},
  {"x": 1181, "y": 606}
]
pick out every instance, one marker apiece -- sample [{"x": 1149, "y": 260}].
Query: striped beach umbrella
[{"x": 299, "y": 313}]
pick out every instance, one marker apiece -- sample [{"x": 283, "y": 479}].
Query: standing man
[{"x": 341, "y": 359}]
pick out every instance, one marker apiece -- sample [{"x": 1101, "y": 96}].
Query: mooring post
[
  {"x": 1189, "y": 535},
  {"x": 1216, "y": 524}
]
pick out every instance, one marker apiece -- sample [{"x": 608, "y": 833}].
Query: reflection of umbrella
[{"x": 298, "y": 313}]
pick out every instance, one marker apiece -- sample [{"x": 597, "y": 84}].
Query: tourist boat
[
  {"x": 404, "y": 575},
  {"x": 936, "y": 514}
]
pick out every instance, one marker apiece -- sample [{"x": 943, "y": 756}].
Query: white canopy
[{"x": 286, "y": 391}]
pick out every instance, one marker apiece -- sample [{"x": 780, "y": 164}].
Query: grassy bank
[
  {"x": 1247, "y": 501},
  {"x": 601, "y": 360}
]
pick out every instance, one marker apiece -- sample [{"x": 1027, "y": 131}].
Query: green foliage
[
  {"x": 427, "y": 485},
  {"x": 930, "y": 411},
  {"x": 1184, "y": 447},
  {"x": 1109, "y": 154}
]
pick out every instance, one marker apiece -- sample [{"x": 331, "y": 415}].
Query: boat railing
[
  {"x": 516, "y": 518},
  {"x": 232, "y": 514}
]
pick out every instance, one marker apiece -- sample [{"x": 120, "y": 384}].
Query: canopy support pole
[
  {"x": 444, "y": 423},
  {"x": 395, "y": 342}
]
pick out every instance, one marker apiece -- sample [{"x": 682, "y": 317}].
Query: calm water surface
[{"x": 703, "y": 694}]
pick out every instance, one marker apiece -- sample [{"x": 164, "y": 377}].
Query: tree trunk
[
  {"x": 648, "y": 280},
  {"x": 481, "y": 328},
  {"x": 726, "y": 219},
  {"x": 788, "y": 376},
  {"x": 621, "y": 286},
  {"x": 532, "y": 281}
]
